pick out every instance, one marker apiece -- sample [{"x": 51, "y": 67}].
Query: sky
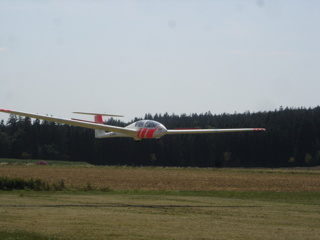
[{"x": 134, "y": 57}]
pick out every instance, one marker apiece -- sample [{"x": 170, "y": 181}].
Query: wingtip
[{"x": 259, "y": 129}]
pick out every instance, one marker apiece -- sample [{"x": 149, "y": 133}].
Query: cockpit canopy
[{"x": 146, "y": 124}]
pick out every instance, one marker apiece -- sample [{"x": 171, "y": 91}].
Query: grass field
[{"x": 162, "y": 203}]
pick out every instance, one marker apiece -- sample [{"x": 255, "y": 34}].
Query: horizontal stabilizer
[{"x": 100, "y": 114}]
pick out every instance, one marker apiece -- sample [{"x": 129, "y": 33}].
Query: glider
[{"x": 143, "y": 129}]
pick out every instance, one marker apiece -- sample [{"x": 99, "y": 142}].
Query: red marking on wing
[
  {"x": 5, "y": 110},
  {"x": 259, "y": 129}
]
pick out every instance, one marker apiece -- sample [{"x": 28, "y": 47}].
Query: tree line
[{"x": 292, "y": 139}]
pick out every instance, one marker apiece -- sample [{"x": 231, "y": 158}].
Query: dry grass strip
[{"x": 170, "y": 179}]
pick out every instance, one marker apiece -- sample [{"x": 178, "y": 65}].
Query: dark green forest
[{"x": 292, "y": 139}]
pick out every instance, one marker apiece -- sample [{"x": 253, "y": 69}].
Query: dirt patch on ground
[{"x": 169, "y": 179}]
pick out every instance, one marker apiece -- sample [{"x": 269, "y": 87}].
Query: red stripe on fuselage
[
  {"x": 143, "y": 132},
  {"x": 150, "y": 133},
  {"x": 146, "y": 132},
  {"x": 139, "y": 133}
]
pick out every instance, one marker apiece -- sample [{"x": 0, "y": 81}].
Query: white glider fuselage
[{"x": 142, "y": 129}]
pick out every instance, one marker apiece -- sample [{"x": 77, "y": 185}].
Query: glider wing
[
  {"x": 77, "y": 123},
  {"x": 195, "y": 131}
]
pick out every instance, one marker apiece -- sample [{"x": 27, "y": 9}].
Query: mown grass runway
[
  {"x": 155, "y": 216},
  {"x": 274, "y": 205}
]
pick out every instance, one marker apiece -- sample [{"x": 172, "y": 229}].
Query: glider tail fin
[
  {"x": 99, "y": 133},
  {"x": 98, "y": 119}
]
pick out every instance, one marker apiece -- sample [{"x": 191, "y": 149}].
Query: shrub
[
  {"x": 17, "y": 183},
  {"x": 59, "y": 185}
]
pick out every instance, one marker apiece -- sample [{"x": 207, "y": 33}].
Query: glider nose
[{"x": 161, "y": 131}]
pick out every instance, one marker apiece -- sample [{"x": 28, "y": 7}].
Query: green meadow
[
  {"x": 156, "y": 215},
  {"x": 157, "y": 203}
]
